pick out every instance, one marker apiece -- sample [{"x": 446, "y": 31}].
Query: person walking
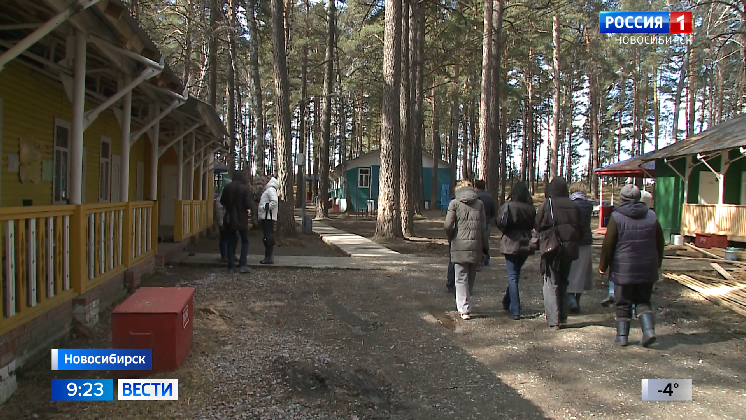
[
  {"x": 558, "y": 225},
  {"x": 451, "y": 274},
  {"x": 632, "y": 253},
  {"x": 516, "y": 221},
  {"x": 490, "y": 209},
  {"x": 581, "y": 271},
  {"x": 222, "y": 226},
  {"x": 267, "y": 212},
  {"x": 466, "y": 228},
  {"x": 236, "y": 199}
]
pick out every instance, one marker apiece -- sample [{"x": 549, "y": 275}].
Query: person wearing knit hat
[{"x": 632, "y": 253}]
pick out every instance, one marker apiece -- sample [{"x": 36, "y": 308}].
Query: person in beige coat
[{"x": 466, "y": 227}]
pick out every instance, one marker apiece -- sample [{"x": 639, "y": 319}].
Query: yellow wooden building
[{"x": 102, "y": 149}]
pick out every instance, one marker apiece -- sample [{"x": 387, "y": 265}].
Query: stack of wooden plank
[{"x": 723, "y": 282}]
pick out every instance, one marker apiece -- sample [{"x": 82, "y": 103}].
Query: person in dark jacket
[
  {"x": 559, "y": 213},
  {"x": 516, "y": 222},
  {"x": 236, "y": 199},
  {"x": 490, "y": 209},
  {"x": 581, "y": 271},
  {"x": 632, "y": 253},
  {"x": 466, "y": 228}
]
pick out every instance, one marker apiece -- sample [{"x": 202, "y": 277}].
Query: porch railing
[
  {"x": 50, "y": 254},
  {"x": 35, "y": 250},
  {"x": 102, "y": 242},
  {"x": 140, "y": 230},
  {"x": 190, "y": 218},
  {"x": 716, "y": 219}
]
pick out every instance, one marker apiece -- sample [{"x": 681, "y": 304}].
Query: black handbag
[
  {"x": 505, "y": 218},
  {"x": 549, "y": 239},
  {"x": 269, "y": 238}
]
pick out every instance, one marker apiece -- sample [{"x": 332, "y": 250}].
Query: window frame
[
  {"x": 58, "y": 122},
  {"x": 360, "y": 176},
  {"x": 104, "y": 196}
]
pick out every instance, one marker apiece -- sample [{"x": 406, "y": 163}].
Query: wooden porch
[
  {"x": 51, "y": 254},
  {"x": 716, "y": 219}
]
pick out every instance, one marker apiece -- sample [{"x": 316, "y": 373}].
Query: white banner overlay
[{"x": 148, "y": 389}]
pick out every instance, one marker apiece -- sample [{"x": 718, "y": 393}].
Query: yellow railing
[
  {"x": 190, "y": 218},
  {"x": 716, "y": 219},
  {"x": 36, "y": 270},
  {"x": 141, "y": 235},
  {"x": 50, "y": 254},
  {"x": 103, "y": 242}
]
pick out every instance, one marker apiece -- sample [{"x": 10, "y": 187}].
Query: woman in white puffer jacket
[{"x": 267, "y": 212}]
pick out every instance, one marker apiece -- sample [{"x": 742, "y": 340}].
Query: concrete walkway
[
  {"x": 364, "y": 254},
  {"x": 349, "y": 263},
  {"x": 351, "y": 244}
]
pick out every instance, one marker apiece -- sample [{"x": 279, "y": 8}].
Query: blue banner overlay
[
  {"x": 148, "y": 389},
  {"x": 635, "y": 22},
  {"x": 82, "y": 389},
  {"x": 102, "y": 359}
]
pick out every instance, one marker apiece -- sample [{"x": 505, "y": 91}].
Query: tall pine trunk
[
  {"x": 231, "y": 85},
  {"x": 677, "y": 98},
  {"x": 302, "y": 126},
  {"x": 212, "y": 55},
  {"x": 453, "y": 138},
  {"x": 388, "y": 222},
  {"x": 434, "y": 187},
  {"x": 485, "y": 114},
  {"x": 322, "y": 207},
  {"x": 406, "y": 196},
  {"x": 257, "y": 110},
  {"x": 492, "y": 177},
  {"x": 285, "y": 219},
  {"x": 418, "y": 75},
  {"x": 692, "y": 89},
  {"x": 556, "y": 107}
]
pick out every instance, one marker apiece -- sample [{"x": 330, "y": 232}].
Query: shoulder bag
[{"x": 549, "y": 239}]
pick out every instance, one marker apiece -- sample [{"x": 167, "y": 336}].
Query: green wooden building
[{"x": 361, "y": 175}]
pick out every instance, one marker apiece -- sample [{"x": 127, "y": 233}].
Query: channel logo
[
  {"x": 148, "y": 389},
  {"x": 646, "y": 22}
]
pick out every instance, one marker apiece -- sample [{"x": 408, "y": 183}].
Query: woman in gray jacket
[{"x": 466, "y": 227}]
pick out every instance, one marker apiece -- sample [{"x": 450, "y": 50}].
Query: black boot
[
  {"x": 622, "y": 332},
  {"x": 268, "y": 257},
  {"x": 648, "y": 328}
]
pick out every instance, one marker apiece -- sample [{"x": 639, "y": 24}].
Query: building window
[
  {"x": 104, "y": 171},
  {"x": 61, "y": 188},
  {"x": 363, "y": 178}
]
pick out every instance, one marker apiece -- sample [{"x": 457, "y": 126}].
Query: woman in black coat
[
  {"x": 516, "y": 221},
  {"x": 560, "y": 215}
]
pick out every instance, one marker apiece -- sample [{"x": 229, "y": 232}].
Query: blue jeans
[
  {"x": 512, "y": 299},
  {"x": 233, "y": 244}
]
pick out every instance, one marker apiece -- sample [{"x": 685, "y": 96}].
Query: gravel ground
[{"x": 327, "y": 344}]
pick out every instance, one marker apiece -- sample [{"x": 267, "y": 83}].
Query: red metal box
[
  {"x": 157, "y": 318},
  {"x": 707, "y": 241}
]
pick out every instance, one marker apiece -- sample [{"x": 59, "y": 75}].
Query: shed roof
[
  {"x": 636, "y": 166},
  {"x": 724, "y": 136}
]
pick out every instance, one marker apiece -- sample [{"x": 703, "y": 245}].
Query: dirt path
[{"x": 311, "y": 344}]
